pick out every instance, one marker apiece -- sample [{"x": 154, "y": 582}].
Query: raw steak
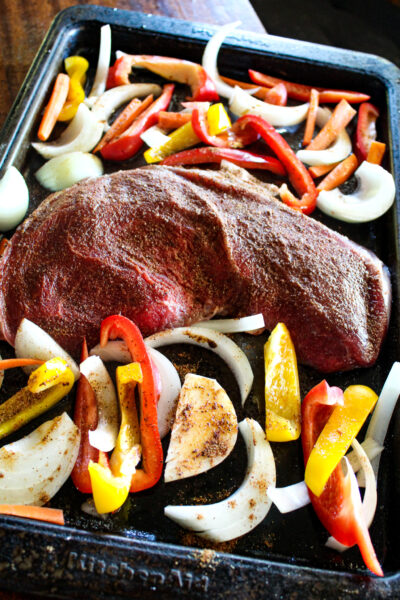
[{"x": 169, "y": 246}]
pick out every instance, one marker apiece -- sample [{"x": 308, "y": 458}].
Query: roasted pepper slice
[
  {"x": 109, "y": 492},
  {"x": 366, "y": 129},
  {"x": 181, "y": 138},
  {"x": 46, "y": 386},
  {"x": 76, "y": 67},
  {"x": 282, "y": 389},
  {"x": 218, "y": 119}
]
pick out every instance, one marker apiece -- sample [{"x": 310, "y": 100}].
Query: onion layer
[
  {"x": 210, "y": 56},
  {"x": 66, "y": 170},
  {"x": 103, "y": 63},
  {"x": 14, "y": 199},
  {"x": 243, "y": 324}
]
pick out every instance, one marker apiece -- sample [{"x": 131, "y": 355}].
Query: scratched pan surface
[{"x": 139, "y": 553}]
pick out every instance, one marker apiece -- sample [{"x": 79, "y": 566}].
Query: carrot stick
[
  {"x": 173, "y": 120},
  {"x": 339, "y": 174},
  {"x": 376, "y": 152},
  {"x": 261, "y": 92},
  {"x": 319, "y": 170},
  {"x": 3, "y": 245},
  {"x": 53, "y": 109},
  {"x": 124, "y": 120},
  {"x": 340, "y": 117},
  {"x": 10, "y": 363},
  {"x": 311, "y": 117},
  {"x": 40, "y": 513}
]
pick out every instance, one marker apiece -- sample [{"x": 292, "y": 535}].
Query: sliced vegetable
[
  {"x": 130, "y": 142},
  {"x": 38, "y": 513},
  {"x": 320, "y": 170},
  {"x": 181, "y": 138},
  {"x": 217, "y": 119},
  {"x": 301, "y": 92},
  {"x": 373, "y": 197},
  {"x": 204, "y": 430},
  {"x": 242, "y": 103},
  {"x": 366, "y": 129},
  {"x": 103, "y": 63},
  {"x": 109, "y": 491},
  {"x": 258, "y": 92},
  {"x": 282, "y": 388},
  {"x": 339, "y": 119},
  {"x": 10, "y": 363},
  {"x": 298, "y": 174},
  {"x": 66, "y": 170},
  {"x": 337, "y": 152},
  {"x": 210, "y": 56},
  {"x": 106, "y": 104},
  {"x": 247, "y": 507},
  {"x": 32, "y": 341},
  {"x": 54, "y": 107},
  {"x": 242, "y": 324},
  {"x": 277, "y": 95},
  {"x": 337, "y": 435},
  {"x": 155, "y": 137},
  {"x": 105, "y": 435},
  {"x": 117, "y": 326},
  {"x": 311, "y": 117},
  {"x": 14, "y": 199},
  {"x": 214, "y": 341},
  {"x": 35, "y": 467},
  {"x": 76, "y": 67},
  {"x": 28, "y": 403},
  {"x": 82, "y": 134},
  {"x": 173, "y": 120},
  {"x": 376, "y": 152},
  {"x": 339, "y": 174}
]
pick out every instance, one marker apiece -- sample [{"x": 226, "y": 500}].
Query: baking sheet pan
[{"x": 139, "y": 553}]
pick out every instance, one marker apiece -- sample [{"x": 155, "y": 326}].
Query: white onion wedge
[
  {"x": 247, "y": 507},
  {"x": 242, "y": 103},
  {"x": 63, "y": 171},
  {"x": 106, "y": 433},
  {"x": 81, "y": 135},
  {"x": 31, "y": 341},
  {"x": 154, "y": 137},
  {"x": 242, "y": 324},
  {"x": 112, "y": 99},
  {"x": 117, "y": 350},
  {"x": 210, "y": 57},
  {"x": 373, "y": 197},
  {"x": 217, "y": 342},
  {"x": 338, "y": 151},
  {"x": 14, "y": 199},
  {"x": 103, "y": 62},
  {"x": 35, "y": 467},
  {"x": 204, "y": 431}
]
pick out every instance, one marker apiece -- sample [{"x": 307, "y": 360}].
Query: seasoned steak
[{"x": 168, "y": 247}]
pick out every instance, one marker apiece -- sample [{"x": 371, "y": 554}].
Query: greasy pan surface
[{"x": 139, "y": 553}]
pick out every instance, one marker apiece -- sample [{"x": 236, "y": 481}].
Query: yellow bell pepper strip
[
  {"x": 46, "y": 386},
  {"x": 117, "y": 326},
  {"x": 218, "y": 119},
  {"x": 181, "y": 138},
  {"x": 127, "y": 451},
  {"x": 76, "y": 67},
  {"x": 282, "y": 389},
  {"x": 335, "y": 506},
  {"x": 335, "y": 439},
  {"x": 109, "y": 492},
  {"x": 54, "y": 107}
]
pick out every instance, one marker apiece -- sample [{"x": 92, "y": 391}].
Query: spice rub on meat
[{"x": 168, "y": 246}]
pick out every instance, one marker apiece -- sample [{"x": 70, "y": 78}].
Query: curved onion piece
[
  {"x": 65, "y": 170},
  {"x": 105, "y": 435},
  {"x": 234, "y": 325},
  {"x": 247, "y": 507},
  {"x": 82, "y": 134},
  {"x": 373, "y": 197},
  {"x": 31, "y": 341},
  {"x": 35, "y": 467},
  {"x": 14, "y": 199},
  {"x": 337, "y": 152},
  {"x": 154, "y": 137},
  {"x": 210, "y": 56},
  {"x": 112, "y": 99},
  {"x": 230, "y": 352},
  {"x": 170, "y": 383},
  {"x": 103, "y": 63},
  {"x": 242, "y": 103}
]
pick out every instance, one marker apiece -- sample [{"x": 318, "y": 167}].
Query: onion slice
[
  {"x": 242, "y": 103},
  {"x": 337, "y": 152},
  {"x": 210, "y": 56},
  {"x": 103, "y": 63},
  {"x": 210, "y": 340},
  {"x": 247, "y": 507},
  {"x": 154, "y": 137},
  {"x": 63, "y": 171},
  {"x": 105, "y": 435},
  {"x": 112, "y": 99},
  {"x": 240, "y": 325},
  {"x": 82, "y": 134},
  {"x": 14, "y": 199}
]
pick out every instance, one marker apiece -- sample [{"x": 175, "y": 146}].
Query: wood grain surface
[{"x": 23, "y": 25}]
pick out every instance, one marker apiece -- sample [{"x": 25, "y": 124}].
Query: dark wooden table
[{"x": 24, "y": 24}]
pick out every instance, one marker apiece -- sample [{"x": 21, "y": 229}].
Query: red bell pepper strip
[
  {"x": 277, "y": 95},
  {"x": 299, "y": 177},
  {"x": 117, "y": 326},
  {"x": 247, "y": 160},
  {"x": 129, "y": 142},
  {"x": 334, "y": 507},
  {"x": 85, "y": 418},
  {"x": 118, "y": 73},
  {"x": 174, "y": 69},
  {"x": 298, "y": 91},
  {"x": 236, "y": 136},
  {"x": 366, "y": 129}
]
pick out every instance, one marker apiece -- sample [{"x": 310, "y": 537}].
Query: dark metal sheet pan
[{"x": 139, "y": 553}]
